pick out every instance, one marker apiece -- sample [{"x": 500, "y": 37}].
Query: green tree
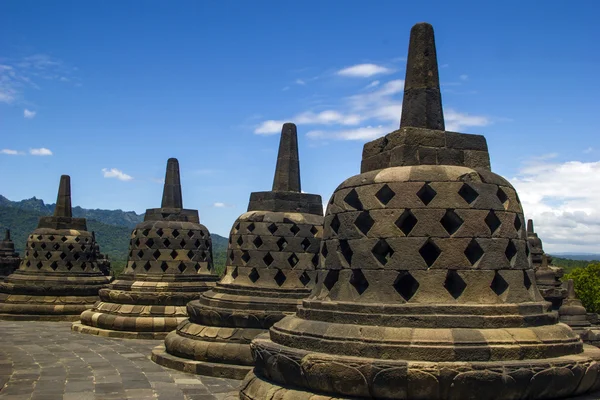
[{"x": 587, "y": 286}]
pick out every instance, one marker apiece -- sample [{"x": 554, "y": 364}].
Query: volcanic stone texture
[{"x": 9, "y": 259}]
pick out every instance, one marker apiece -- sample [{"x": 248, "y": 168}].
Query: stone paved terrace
[{"x": 46, "y": 361}]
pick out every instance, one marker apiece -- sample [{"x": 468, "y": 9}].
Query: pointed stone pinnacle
[
  {"x": 172, "y": 190},
  {"x": 63, "y": 201},
  {"x": 7, "y": 235},
  {"x": 530, "y": 226},
  {"x": 422, "y": 103},
  {"x": 287, "y": 171}
]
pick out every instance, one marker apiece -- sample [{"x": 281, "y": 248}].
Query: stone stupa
[
  {"x": 9, "y": 258},
  {"x": 271, "y": 260},
  {"x": 425, "y": 287},
  {"x": 58, "y": 277},
  {"x": 169, "y": 264},
  {"x": 101, "y": 259}
]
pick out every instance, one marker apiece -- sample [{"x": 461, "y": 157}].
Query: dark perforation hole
[
  {"x": 83, "y": 266},
  {"x": 56, "y": 246},
  {"x": 230, "y": 241},
  {"x": 197, "y": 243},
  {"x": 140, "y": 253},
  {"x": 39, "y": 265},
  {"x": 454, "y": 284},
  {"x": 254, "y": 275},
  {"x": 203, "y": 256},
  {"x": 48, "y": 255},
  {"x": 234, "y": 273},
  {"x": 359, "y": 281},
  {"x": 33, "y": 245},
  {"x": 182, "y": 243},
  {"x": 83, "y": 247},
  {"x": 43, "y": 245},
  {"x": 190, "y": 234},
  {"x": 237, "y": 227},
  {"x": 304, "y": 278},
  {"x": 430, "y": 252},
  {"x": 501, "y": 195},
  {"x": 281, "y": 244},
  {"x": 147, "y": 266},
  {"x": 77, "y": 239},
  {"x": 382, "y": 251},
  {"x": 149, "y": 242},
  {"x": 511, "y": 251},
  {"x": 240, "y": 241},
  {"x": 63, "y": 239},
  {"x": 245, "y": 257},
  {"x": 473, "y": 252},
  {"x": 353, "y": 200},
  {"x": 499, "y": 284},
  {"x": 145, "y": 232},
  {"x": 406, "y": 285},
  {"x": 385, "y": 194},
  {"x": 526, "y": 280},
  {"x": 314, "y": 230},
  {"x": 272, "y": 228},
  {"x": 181, "y": 267},
  {"x": 287, "y": 221},
  {"x": 51, "y": 237},
  {"x": 231, "y": 256},
  {"x": 331, "y": 278},
  {"x": 518, "y": 223},
  {"x": 197, "y": 267},
  {"x": 257, "y": 242},
  {"x": 305, "y": 244},
  {"x": 190, "y": 254},
  {"x": 28, "y": 264},
  {"x": 335, "y": 224},
  {"x": 35, "y": 254},
  {"x": 137, "y": 242},
  {"x": 62, "y": 256},
  {"x": 159, "y": 232},
  {"x": 251, "y": 227},
  {"x": 54, "y": 265},
  {"x": 202, "y": 234},
  {"x": 173, "y": 254},
  {"x": 280, "y": 277},
  {"x": 163, "y": 266},
  {"x": 69, "y": 265},
  {"x": 331, "y": 200},
  {"x": 70, "y": 247},
  {"x": 364, "y": 222},
  {"x": 175, "y": 233},
  {"x": 451, "y": 221},
  {"x": 156, "y": 254},
  {"x": 167, "y": 242},
  {"x": 527, "y": 252},
  {"x": 292, "y": 260},
  {"x": 295, "y": 229},
  {"x": 426, "y": 194},
  {"x": 76, "y": 256},
  {"x": 268, "y": 259},
  {"x": 324, "y": 251},
  {"x": 133, "y": 266},
  {"x": 39, "y": 237},
  {"x": 315, "y": 260},
  {"x": 406, "y": 222},
  {"x": 346, "y": 251},
  {"x": 492, "y": 221}
]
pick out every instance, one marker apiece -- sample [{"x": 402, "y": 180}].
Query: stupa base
[
  {"x": 231, "y": 371},
  {"x": 44, "y": 309},
  {"x": 339, "y": 377},
  {"x": 90, "y": 330}
]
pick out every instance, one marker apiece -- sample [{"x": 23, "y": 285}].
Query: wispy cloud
[
  {"x": 42, "y": 151},
  {"x": 588, "y": 150},
  {"x": 115, "y": 173},
  {"x": 219, "y": 204},
  {"x": 464, "y": 77},
  {"x": 364, "y": 70},
  {"x": 29, "y": 114},
  {"x": 372, "y": 84},
  {"x": 10, "y": 152},
  {"x": 300, "y": 82}
]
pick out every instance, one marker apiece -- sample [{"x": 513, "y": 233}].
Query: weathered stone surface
[
  {"x": 9, "y": 258},
  {"x": 271, "y": 260},
  {"x": 169, "y": 264},
  {"x": 425, "y": 288},
  {"x": 59, "y": 276}
]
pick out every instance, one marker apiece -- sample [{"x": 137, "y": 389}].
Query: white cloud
[
  {"x": 115, "y": 173},
  {"x": 464, "y": 77},
  {"x": 219, "y": 205},
  {"x": 42, "y": 151},
  {"x": 372, "y": 84},
  {"x": 300, "y": 82},
  {"x": 563, "y": 199},
  {"x": 456, "y": 121},
  {"x": 588, "y": 150},
  {"x": 364, "y": 70},
  {"x": 10, "y": 152},
  {"x": 29, "y": 114},
  {"x": 269, "y": 127}
]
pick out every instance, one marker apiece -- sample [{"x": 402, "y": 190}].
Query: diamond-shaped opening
[
  {"x": 203, "y": 256},
  {"x": 197, "y": 243},
  {"x": 181, "y": 267},
  {"x": 468, "y": 193},
  {"x": 501, "y": 195},
  {"x": 83, "y": 266},
  {"x": 385, "y": 194},
  {"x": 314, "y": 230},
  {"x": 473, "y": 252},
  {"x": 71, "y": 247},
  {"x": 346, "y": 251},
  {"x": 240, "y": 241},
  {"x": 454, "y": 284},
  {"x": 382, "y": 251},
  {"x": 451, "y": 221},
  {"x": 499, "y": 284},
  {"x": 430, "y": 252},
  {"x": 156, "y": 254},
  {"x": 253, "y": 275},
  {"x": 167, "y": 242},
  {"x": 492, "y": 221},
  {"x": 69, "y": 265},
  {"x": 39, "y": 237},
  {"x": 173, "y": 254},
  {"x": 33, "y": 245},
  {"x": 182, "y": 243},
  {"x": 54, "y": 265},
  {"x": 48, "y": 255},
  {"x": 526, "y": 280},
  {"x": 331, "y": 278},
  {"x": 292, "y": 260},
  {"x": 426, "y": 194},
  {"x": 335, "y": 224},
  {"x": 305, "y": 244},
  {"x": 190, "y": 254},
  {"x": 43, "y": 245},
  {"x": 35, "y": 254},
  {"x": 159, "y": 232},
  {"x": 39, "y": 265},
  {"x": 56, "y": 246},
  {"x": 282, "y": 244},
  {"x": 272, "y": 228},
  {"x": 406, "y": 285},
  {"x": 257, "y": 242},
  {"x": 245, "y": 257},
  {"x": 64, "y": 239},
  {"x": 78, "y": 239},
  {"x": 175, "y": 233},
  {"x": 190, "y": 234},
  {"x": 324, "y": 251},
  {"x": 406, "y": 222},
  {"x": 202, "y": 234},
  {"x": 62, "y": 256},
  {"x": 359, "y": 281},
  {"x": 140, "y": 253},
  {"x": 145, "y": 232},
  {"x": 315, "y": 260},
  {"x": 527, "y": 250},
  {"x": 268, "y": 259},
  {"x": 147, "y": 266},
  {"x": 280, "y": 277},
  {"x": 231, "y": 255},
  {"x": 295, "y": 229},
  {"x": 137, "y": 242},
  {"x": 353, "y": 200},
  {"x": 304, "y": 278},
  {"x": 511, "y": 251},
  {"x": 149, "y": 242},
  {"x": 251, "y": 227},
  {"x": 76, "y": 256},
  {"x": 518, "y": 223},
  {"x": 51, "y": 237},
  {"x": 364, "y": 222},
  {"x": 28, "y": 264},
  {"x": 236, "y": 227},
  {"x": 163, "y": 266}
]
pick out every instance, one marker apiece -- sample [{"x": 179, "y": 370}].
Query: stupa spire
[
  {"x": 530, "y": 226},
  {"x": 287, "y": 171},
  {"x": 63, "y": 201},
  {"x": 172, "y": 191},
  {"x": 422, "y": 103},
  {"x": 7, "y": 235}
]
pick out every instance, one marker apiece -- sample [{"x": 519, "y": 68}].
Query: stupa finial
[
  {"x": 7, "y": 235},
  {"x": 422, "y": 103},
  {"x": 63, "y": 201},
  {"x": 172, "y": 190},
  {"x": 287, "y": 171},
  {"x": 530, "y": 226}
]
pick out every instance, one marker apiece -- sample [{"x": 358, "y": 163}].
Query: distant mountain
[{"x": 579, "y": 256}]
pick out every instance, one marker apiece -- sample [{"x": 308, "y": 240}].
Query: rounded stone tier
[
  {"x": 272, "y": 258},
  {"x": 57, "y": 279},
  {"x": 424, "y": 291},
  {"x": 169, "y": 264}
]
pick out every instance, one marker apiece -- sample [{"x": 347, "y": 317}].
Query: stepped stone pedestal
[
  {"x": 58, "y": 277},
  {"x": 271, "y": 259},
  {"x": 9, "y": 258},
  {"x": 425, "y": 287},
  {"x": 169, "y": 264}
]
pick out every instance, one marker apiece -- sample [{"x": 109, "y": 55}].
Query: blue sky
[{"x": 112, "y": 90}]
